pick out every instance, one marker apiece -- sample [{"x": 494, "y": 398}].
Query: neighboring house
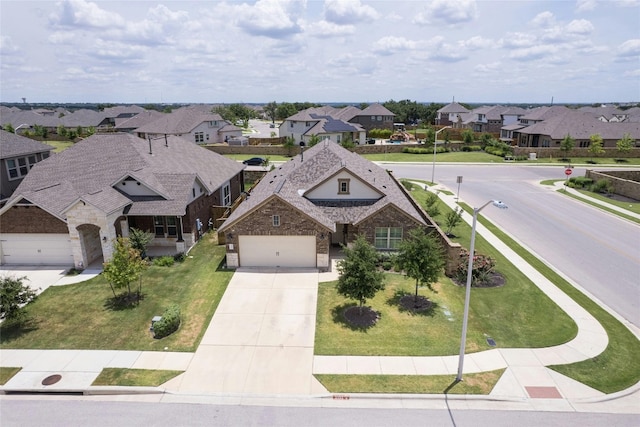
[
  {"x": 489, "y": 118},
  {"x": 51, "y": 120},
  {"x": 375, "y": 116},
  {"x": 17, "y": 156},
  {"x": 325, "y": 197},
  {"x": 121, "y": 113},
  {"x": 130, "y": 124},
  {"x": 192, "y": 124},
  {"x": 450, "y": 114},
  {"x": 70, "y": 207},
  {"x": 325, "y": 123},
  {"x": 580, "y": 126}
]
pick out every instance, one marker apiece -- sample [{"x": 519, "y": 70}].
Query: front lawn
[
  {"x": 515, "y": 315},
  {"x": 79, "y": 316},
  {"x": 134, "y": 377}
]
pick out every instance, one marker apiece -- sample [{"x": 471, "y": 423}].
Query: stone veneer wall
[
  {"x": 84, "y": 213},
  {"x": 625, "y": 183}
]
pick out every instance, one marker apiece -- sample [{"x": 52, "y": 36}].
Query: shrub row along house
[
  {"x": 324, "y": 197},
  {"x": 70, "y": 207}
]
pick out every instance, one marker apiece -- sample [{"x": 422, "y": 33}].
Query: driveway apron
[{"x": 260, "y": 340}]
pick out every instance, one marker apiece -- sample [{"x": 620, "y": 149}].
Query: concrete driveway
[
  {"x": 40, "y": 277},
  {"x": 260, "y": 340}
]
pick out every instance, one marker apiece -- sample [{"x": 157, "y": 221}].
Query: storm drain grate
[{"x": 51, "y": 379}]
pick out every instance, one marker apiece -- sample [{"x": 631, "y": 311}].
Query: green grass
[
  {"x": 629, "y": 206},
  {"x": 134, "y": 377},
  {"x": 491, "y": 311},
  {"x": 599, "y": 206},
  {"x": 457, "y": 157},
  {"x": 618, "y": 367},
  {"x": 6, "y": 373},
  {"x": 79, "y": 316},
  {"x": 59, "y": 146},
  {"x": 481, "y": 383}
]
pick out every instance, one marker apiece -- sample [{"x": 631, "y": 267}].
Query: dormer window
[{"x": 343, "y": 186}]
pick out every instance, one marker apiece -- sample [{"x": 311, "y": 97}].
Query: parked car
[
  {"x": 272, "y": 125},
  {"x": 254, "y": 161},
  {"x": 371, "y": 141}
]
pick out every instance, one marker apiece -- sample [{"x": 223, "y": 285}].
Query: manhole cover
[
  {"x": 491, "y": 342},
  {"x": 51, "y": 379}
]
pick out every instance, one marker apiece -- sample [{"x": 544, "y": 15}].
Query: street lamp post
[
  {"x": 435, "y": 144},
  {"x": 465, "y": 317}
]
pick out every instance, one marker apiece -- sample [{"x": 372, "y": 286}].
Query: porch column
[{"x": 180, "y": 247}]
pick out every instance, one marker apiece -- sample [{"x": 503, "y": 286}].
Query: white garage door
[
  {"x": 277, "y": 251},
  {"x": 36, "y": 249}
]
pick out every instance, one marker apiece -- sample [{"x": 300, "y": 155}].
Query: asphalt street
[{"x": 597, "y": 250}]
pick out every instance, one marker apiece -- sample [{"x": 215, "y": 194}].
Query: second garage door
[{"x": 277, "y": 251}]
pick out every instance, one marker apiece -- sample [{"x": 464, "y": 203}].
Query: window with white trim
[
  {"x": 226, "y": 195},
  {"x": 343, "y": 186},
  {"x": 276, "y": 220},
  {"x": 388, "y": 237},
  {"x": 199, "y": 136},
  {"x": 19, "y": 167}
]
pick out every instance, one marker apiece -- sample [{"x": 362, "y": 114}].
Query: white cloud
[
  {"x": 632, "y": 73},
  {"x": 344, "y": 12},
  {"x": 580, "y": 27},
  {"x": 80, "y": 13},
  {"x": 327, "y": 29},
  {"x": 585, "y": 5},
  {"x": 544, "y": 19},
  {"x": 491, "y": 67},
  {"x": 532, "y": 53},
  {"x": 7, "y": 46},
  {"x": 390, "y": 45},
  {"x": 629, "y": 48},
  {"x": 449, "y": 12},
  {"x": 270, "y": 18},
  {"x": 517, "y": 40}
]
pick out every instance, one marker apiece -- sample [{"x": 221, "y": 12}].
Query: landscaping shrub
[
  {"x": 483, "y": 266},
  {"x": 180, "y": 257},
  {"x": 412, "y": 150},
  {"x": 580, "y": 182},
  {"x": 169, "y": 323},
  {"x": 164, "y": 261},
  {"x": 602, "y": 186},
  {"x": 379, "y": 133},
  {"x": 468, "y": 148}
]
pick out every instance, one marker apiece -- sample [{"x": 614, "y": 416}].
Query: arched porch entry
[{"x": 90, "y": 244}]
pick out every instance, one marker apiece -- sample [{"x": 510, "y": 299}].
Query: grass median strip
[
  {"x": 134, "y": 377},
  {"x": 480, "y": 383},
  {"x": 618, "y": 367},
  {"x": 6, "y": 373}
]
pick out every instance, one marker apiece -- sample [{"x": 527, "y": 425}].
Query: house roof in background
[{"x": 180, "y": 121}]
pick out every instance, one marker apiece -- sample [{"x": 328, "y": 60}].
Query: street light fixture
[
  {"x": 465, "y": 318},
  {"x": 435, "y": 144}
]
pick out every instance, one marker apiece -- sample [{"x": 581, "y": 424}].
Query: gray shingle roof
[
  {"x": 581, "y": 125},
  {"x": 376, "y": 110},
  {"x": 180, "y": 121},
  {"x": 90, "y": 168},
  {"x": 290, "y": 181},
  {"x": 453, "y": 107},
  {"x": 12, "y": 145}
]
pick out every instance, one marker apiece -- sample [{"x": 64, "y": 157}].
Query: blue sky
[{"x": 321, "y": 51}]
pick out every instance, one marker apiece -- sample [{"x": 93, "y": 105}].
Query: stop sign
[{"x": 567, "y": 171}]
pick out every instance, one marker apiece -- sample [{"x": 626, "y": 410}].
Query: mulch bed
[
  {"x": 368, "y": 318},
  {"x": 410, "y": 303},
  {"x": 496, "y": 280}
]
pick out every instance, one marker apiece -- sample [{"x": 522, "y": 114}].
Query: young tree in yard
[
  {"x": 14, "y": 295},
  {"x": 125, "y": 266},
  {"x": 359, "y": 278},
  {"x": 468, "y": 136},
  {"x": 139, "y": 240},
  {"x": 289, "y": 144},
  {"x": 566, "y": 145},
  {"x": 431, "y": 205},
  {"x": 420, "y": 257},
  {"x": 595, "y": 148},
  {"x": 452, "y": 219},
  {"x": 625, "y": 144}
]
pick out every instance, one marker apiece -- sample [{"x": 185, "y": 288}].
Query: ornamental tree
[
  {"x": 359, "y": 278},
  {"x": 420, "y": 257},
  {"x": 14, "y": 295},
  {"x": 125, "y": 266}
]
